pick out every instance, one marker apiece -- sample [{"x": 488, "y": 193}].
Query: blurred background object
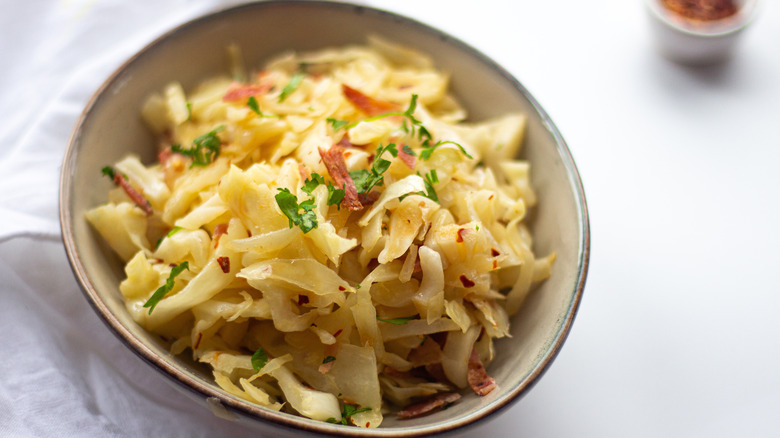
[{"x": 699, "y": 31}]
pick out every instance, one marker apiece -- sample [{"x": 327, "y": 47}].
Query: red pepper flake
[
  {"x": 367, "y": 104},
  {"x": 139, "y": 200},
  {"x": 702, "y": 10},
  {"x": 219, "y": 230},
  {"x": 303, "y": 299},
  {"x": 495, "y": 264},
  {"x": 342, "y": 288},
  {"x": 490, "y": 198},
  {"x": 466, "y": 282},
  {"x": 459, "y": 239},
  {"x": 224, "y": 263},
  {"x": 494, "y": 252},
  {"x": 338, "y": 332}
]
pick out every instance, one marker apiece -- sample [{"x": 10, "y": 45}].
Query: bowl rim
[{"x": 294, "y": 423}]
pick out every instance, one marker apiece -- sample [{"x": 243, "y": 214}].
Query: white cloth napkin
[{"x": 62, "y": 373}]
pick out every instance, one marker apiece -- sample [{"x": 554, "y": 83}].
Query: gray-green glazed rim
[{"x": 203, "y": 389}]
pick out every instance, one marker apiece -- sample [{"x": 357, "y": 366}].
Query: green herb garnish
[
  {"x": 205, "y": 149},
  {"x": 397, "y": 321},
  {"x": 366, "y": 179},
  {"x": 253, "y": 105},
  {"x": 167, "y": 287},
  {"x": 310, "y": 184},
  {"x": 328, "y": 359},
  {"x": 349, "y": 411},
  {"x": 288, "y": 203},
  {"x": 173, "y": 231},
  {"x": 427, "y": 151},
  {"x": 109, "y": 172},
  {"x": 408, "y": 150},
  {"x": 259, "y": 359},
  {"x": 337, "y": 124},
  {"x": 335, "y": 196},
  {"x": 295, "y": 82},
  {"x": 189, "y": 111},
  {"x": 429, "y": 180}
]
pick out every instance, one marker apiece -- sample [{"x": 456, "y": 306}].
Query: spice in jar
[{"x": 702, "y": 10}]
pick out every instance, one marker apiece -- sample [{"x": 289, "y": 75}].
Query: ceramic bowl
[
  {"x": 698, "y": 42},
  {"x": 110, "y": 127}
]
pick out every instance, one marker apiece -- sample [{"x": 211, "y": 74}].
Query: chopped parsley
[
  {"x": 167, "y": 287},
  {"x": 255, "y": 107},
  {"x": 109, "y": 172},
  {"x": 173, "y": 231},
  {"x": 310, "y": 184},
  {"x": 346, "y": 413},
  {"x": 337, "y": 124},
  {"x": 259, "y": 359},
  {"x": 189, "y": 111},
  {"x": 408, "y": 150},
  {"x": 328, "y": 359},
  {"x": 397, "y": 321},
  {"x": 205, "y": 149},
  {"x": 427, "y": 151},
  {"x": 295, "y": 82},
  {"x": 288, "y": 203},
  {"x": 366, "y": 179},
  {"x": 429, "y": 180},
  {"x": 334, "y": 195}
]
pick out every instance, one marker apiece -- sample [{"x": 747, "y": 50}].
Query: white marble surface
[{"x": 678, "y": 331}]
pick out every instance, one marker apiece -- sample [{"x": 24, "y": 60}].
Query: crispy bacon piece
[
  {"x": 367, "y": 104},
  {"x": 138, "y": 198},
  {"x": 241, "y": 92},
  {"x": 479, "y": 381},
  {"x": 219, "y": 230},
  {"x": 224, "y": 263},
  {"x": 429, "y": 405},
  {"x": 406, "y": 157},
  {"x": 337, "y": 168},
  {"x": 426, "y": 354},
  {"x": 345, "y": 143},
  {"x": 436, "y": 371}
]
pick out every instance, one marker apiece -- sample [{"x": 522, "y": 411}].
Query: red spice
[
  {"x": 494, "y": 252},
  {"x": 240, "y": 92},
  {"x": 338, "y": 332},
  {"x": 466, "y": 282},
  {"x": 303, "y": 299},
  {"x": 224, "y": 263},
  {"x": 219, "y": 230},
  {"x": 459, "y": 239},
  {"x": 702, "y": 10},
  {"x": 342, "y": 288}
]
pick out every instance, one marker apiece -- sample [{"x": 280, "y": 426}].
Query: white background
[{"x": 678, "y": 331}]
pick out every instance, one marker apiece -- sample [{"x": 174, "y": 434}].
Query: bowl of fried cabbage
[{"x": 328, "y": 218}]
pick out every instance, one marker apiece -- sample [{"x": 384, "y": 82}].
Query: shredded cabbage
[{"x": 367, "y": 274}]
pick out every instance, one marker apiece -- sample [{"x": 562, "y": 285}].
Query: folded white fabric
[{"x": 62, "y": 373}]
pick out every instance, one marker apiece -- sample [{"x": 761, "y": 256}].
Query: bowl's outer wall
[{"x": 111, "y": 127}]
